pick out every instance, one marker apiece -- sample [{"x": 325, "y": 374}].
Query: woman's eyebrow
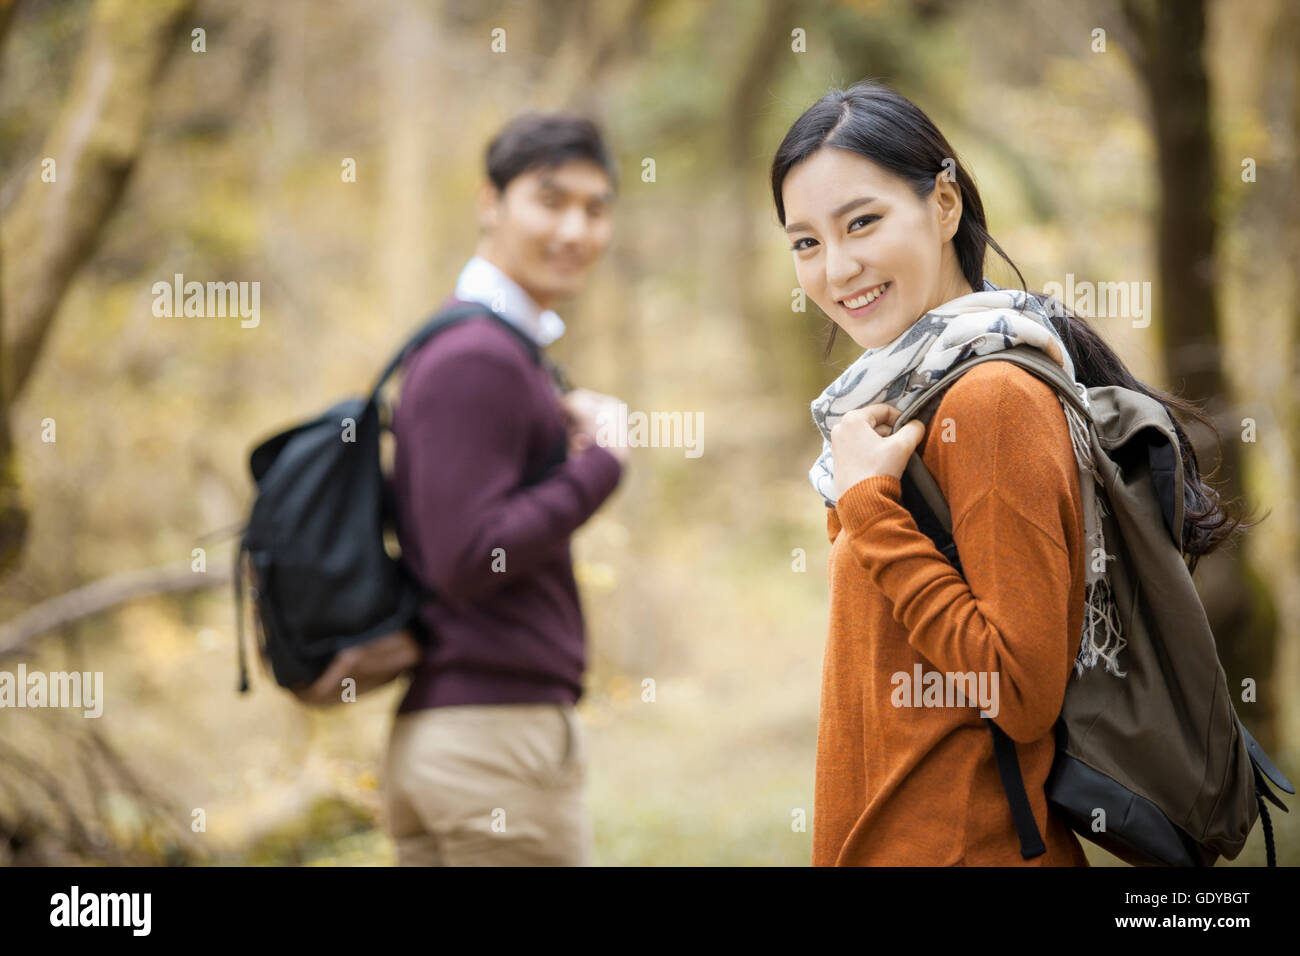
[{"x": 836, "y": 212}]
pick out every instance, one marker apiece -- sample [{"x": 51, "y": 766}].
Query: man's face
[{"x": 548, "y": 228}]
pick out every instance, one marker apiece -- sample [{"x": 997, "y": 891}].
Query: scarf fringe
[
  {"x": 1100, "y": 614},
  {"x": 1079, "y": 438}
]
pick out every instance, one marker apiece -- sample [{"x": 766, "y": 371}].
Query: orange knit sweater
[{"x": 900, "y": 784}]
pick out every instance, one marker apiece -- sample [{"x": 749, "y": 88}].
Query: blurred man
[{"x": 495, "y": 468}]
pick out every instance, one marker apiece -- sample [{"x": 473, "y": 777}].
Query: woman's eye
[{"x": 868, "y": 219}]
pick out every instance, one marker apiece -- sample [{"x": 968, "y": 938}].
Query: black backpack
[{"x": 324, "y": 578}]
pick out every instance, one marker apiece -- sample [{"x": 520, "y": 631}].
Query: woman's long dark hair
[{"x": 875, "y": 122}]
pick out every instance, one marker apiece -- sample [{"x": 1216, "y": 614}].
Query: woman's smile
[{"x": 862, "y": 303}]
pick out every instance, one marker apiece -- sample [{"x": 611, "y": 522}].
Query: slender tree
[
  {"x": 54, "y": 226},
  {"x": 1167, "y": 44}
]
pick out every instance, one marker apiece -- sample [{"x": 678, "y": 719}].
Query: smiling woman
[
  {"x": 875, "y": 261},
  {"x": 887, "y": 233},
  {"x": 878, "y": 238}
]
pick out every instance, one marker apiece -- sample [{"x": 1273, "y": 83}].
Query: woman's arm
[{"x": 1002, "y": 453}]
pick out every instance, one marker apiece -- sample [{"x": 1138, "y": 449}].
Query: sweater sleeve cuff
[
  {"x": 867, "y": 500},
  {"x": 832, "y": 523},
  {"x": 596, "y": 472}
]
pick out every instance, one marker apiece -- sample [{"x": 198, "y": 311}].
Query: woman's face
[{"x": 873, "y": 256}]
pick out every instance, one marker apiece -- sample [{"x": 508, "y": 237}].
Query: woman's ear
[{"x": 947, "y": 197}]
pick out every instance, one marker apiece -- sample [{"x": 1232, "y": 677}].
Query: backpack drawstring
[
  {"x": 1269, "y": 850},
  {"x": 239, "y": 619}
]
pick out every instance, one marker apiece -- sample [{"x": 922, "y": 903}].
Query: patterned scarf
[{"x": 977, "y": 324}]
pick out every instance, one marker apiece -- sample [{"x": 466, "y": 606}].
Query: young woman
[{"x": 888, "y": 237}]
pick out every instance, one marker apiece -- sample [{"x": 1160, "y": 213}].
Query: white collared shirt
[{"x": 481, "y": 281}]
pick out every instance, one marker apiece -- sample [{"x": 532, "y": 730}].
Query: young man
[{"x": 487, "y": 757}]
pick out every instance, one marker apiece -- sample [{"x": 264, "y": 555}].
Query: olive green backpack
[{"x": 1161, "y": 750}]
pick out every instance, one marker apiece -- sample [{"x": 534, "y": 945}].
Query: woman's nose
[{"x": 840, "y": 267}]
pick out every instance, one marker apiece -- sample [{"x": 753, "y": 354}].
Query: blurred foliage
[{"x": 687, "y": 572}]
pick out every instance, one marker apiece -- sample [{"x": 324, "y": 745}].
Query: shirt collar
[{"x": 481, "y": 281}]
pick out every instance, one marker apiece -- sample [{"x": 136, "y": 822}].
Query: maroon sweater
[{"x": 475, "y": 419}]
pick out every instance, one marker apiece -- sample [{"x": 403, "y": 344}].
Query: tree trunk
[
  {"x": 1265, "y": 297},
  {"x": 54, "y": 225},
  {"x": 1169, "y": 49},
  {"x": 13, "y": 513},
  {"x": 94, "y": 144}
]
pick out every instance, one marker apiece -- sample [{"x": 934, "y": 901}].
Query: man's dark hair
[{"x": 545, "y": 140}]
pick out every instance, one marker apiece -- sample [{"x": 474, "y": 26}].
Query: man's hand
[
  {"x": 370, "y": 664},
  {"x": 863, "y": 447},
  {"x": 587, "y": 411}
]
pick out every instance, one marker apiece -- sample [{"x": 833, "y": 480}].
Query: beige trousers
[{"x": 488, "y": 785}]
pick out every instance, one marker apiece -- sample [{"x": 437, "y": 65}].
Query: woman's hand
[{"x": 863, "y": 447}]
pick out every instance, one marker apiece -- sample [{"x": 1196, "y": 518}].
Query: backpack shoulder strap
[
  {"x": 453, "y": 316},
  {"x": 471, "y": 310},
  {"x": 1027, "y": 357},
  {"x": 925, "y": 501},
  {"x": 922, "y": 497}
]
